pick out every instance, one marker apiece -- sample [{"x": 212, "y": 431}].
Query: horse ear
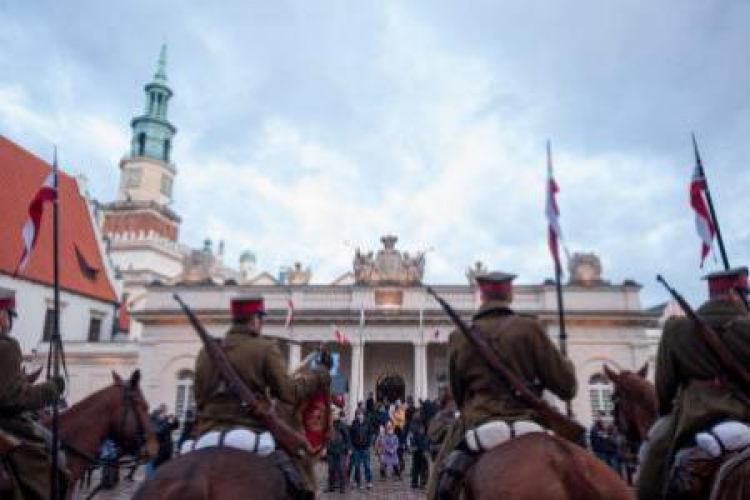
[
  {"x": 610, "y": 374},
  {"x": 643, "y": 372},
  {"x": 116, "y": 378},
  {"x": 135, "y": 379}
]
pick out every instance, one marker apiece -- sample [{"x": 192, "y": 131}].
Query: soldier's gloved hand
[{"x": 59, "y": 383}]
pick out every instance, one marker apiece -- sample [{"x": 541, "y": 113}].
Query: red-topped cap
[
  {"x": 247, "y": 306},
  {"x": 722, "y": 282},
  {"x": 495, "y": 282}
]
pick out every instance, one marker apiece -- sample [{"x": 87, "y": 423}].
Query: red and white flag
[
  {"x": 289, "y": 313},
  {"x": 30, "y": 231},
  {"x": 703, "y": 223},
  {"x": 340, "y": 336},
  {"x": 554, "y": 233}
]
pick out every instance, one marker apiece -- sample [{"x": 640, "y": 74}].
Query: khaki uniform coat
[
  {"x": 522, "y": 346},
  {"x": 17, "y": 397},
  {"x": 687, "y": 385},
  {"x": 258, "y": 361},
  {"x": 480, "y": 394}
]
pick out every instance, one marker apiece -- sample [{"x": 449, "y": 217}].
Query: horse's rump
[
  {"x": 539, "y": 465},
  {"x": 214, "y": 473}
]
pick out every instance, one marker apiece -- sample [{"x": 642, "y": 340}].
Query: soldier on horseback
[
  {"x": 23, "y": 443},
  {"x": 694, "y": 389},
  {"x": 259, "y": 363},
  {"x": 524, "y": 347}
]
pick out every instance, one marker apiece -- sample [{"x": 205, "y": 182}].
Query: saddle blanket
[
  {"x": 261, "y": 443},
  {"x": 496, "y": 432},
  {"x": 724, "y": 437}
]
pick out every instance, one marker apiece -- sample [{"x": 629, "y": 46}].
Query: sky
[{"x": 306, "y": 129}]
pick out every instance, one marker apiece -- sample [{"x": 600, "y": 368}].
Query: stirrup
[
  {"x": 452, "y": 473},
  {"x": 295, "y": 485}
]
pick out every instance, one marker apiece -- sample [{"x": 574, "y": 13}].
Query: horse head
[
  {"x": 634, "y": 401},
  {"x": 129, "y": 424}
]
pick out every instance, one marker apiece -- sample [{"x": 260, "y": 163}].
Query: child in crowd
[{"x": 388, "y": 447}]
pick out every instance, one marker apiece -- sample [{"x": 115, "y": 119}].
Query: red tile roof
[{"x": 82, "y": 268}]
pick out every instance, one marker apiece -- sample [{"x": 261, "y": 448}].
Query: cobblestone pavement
[{"x": 382, "y": 489}]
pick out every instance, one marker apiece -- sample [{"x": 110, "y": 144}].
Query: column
[
  {"x": 294, "y": 355},
  {"x": 420, "y": 369},
  {"x": 355, "y": 376}
]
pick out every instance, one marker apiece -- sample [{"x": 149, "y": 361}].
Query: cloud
[{"x": 302, "y": 127}]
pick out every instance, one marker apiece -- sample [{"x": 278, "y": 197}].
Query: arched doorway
[{"x": 390, "y": 387}]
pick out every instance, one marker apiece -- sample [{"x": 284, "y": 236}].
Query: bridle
[{"x": 130, "y": 401}]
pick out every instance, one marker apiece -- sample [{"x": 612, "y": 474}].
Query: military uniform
[
  {"x": 259, "y": 363},
  {"x": 32, "y": 460},
  {"x": 691, "y": 395},
  {"x": 523, "y": 346}
]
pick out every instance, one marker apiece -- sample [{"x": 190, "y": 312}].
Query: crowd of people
[{"x": 389, "y": 431}]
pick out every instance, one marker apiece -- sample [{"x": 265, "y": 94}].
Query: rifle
[
  {"x": 549, "y": 415},
  {"x": 291, "y": 440},
  {"x": 725, "y": 358}
]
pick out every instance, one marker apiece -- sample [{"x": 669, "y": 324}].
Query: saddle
[{"x": 694, "y": 468}]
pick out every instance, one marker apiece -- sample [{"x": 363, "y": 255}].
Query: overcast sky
[{"x": 304, "y": 125}]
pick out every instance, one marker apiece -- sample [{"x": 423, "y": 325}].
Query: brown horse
[
  {"x": 118, "y": 412},
  {"x": 542, "y": 466},
  {"x": 635, "y": 405},
  {"x": 215, "y": 473},
  {"x": 635, "y": 409}
]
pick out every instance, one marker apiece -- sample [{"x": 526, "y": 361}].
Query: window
[
  {"x": 167, "y": 149},
  {"x": 141, "y": 144},
  {"x": 600, "y": 395},
  {"x": 166, "y": 185},
  {"x": 49, "y": 325},
  {"x": 95, "y": 328},
  {"x": 184, "y": 397},
  {"x": 132, "y": 178}
]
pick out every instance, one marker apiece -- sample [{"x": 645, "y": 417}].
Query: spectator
[
  {"x": 108, "y": 458},
  {"x": 337, "y": 448},
  {"x": 163, "y": 426},
  {"x": 361, "y": 438},
  {"x": 598, "y": 439},
  {"x": 420, "y": 446},
  {"x": 370, "y": 404},
  {"x": 388, "y": 447}
]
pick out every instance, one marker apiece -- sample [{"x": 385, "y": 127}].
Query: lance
[
  {"x": 712, "y": 211},
  {"x": 55, "y": 490},
  {"x": 558, "y": 268}
]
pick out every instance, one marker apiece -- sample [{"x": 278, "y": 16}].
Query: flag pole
[
  {"x": 563, "y": 335},
  {"x": 714, "y": 219},
  {"x": 55, "y": 493}
]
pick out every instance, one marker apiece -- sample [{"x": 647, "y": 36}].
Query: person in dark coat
[
  {"x": 361, "y": 437},
  {"x": 337, "y": 449},
  {"x": 420, "y": 448}
]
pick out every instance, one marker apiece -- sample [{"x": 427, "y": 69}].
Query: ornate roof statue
[
  {"x": 585, "y": 269},
  {"x": 296, "y": 275},
  {"x": 388, "y": 266},
  {"x": 472, "y": 272}
]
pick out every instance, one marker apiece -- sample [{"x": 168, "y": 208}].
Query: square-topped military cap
[
  {"x": 720, "y": 282},
  {"x": 495, "y": 281},
  {"x": 247, "y": 305}
]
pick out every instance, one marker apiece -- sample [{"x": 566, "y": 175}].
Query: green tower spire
[{"x": 152, "y": 131}]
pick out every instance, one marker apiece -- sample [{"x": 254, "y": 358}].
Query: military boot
[
  {"x": 294, "y": 483},
  {"x": 452, "y": 473}
]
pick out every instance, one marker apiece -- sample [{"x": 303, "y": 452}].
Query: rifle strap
[{"x": 725, "y": 373}]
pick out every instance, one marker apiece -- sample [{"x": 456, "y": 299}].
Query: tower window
[
  {"x": 167, "y": 149},
  {"x": 141, "y": 143},
  {"x": 166, "y": 185},
  {"x": 132, "y": 178}
]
